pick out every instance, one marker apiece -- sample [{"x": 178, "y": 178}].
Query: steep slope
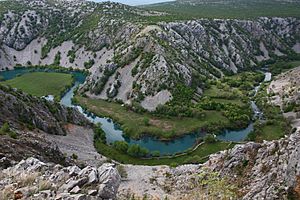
[
  {"x": 131, "y": 53},
  {"x": 24, "y": 120}
]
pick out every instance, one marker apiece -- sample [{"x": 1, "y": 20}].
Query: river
[{"x": 114, "y": 133}]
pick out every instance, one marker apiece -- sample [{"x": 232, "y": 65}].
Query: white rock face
[
  {"x": 151, "y": 103},
  {"x": 161, "y": 55}
]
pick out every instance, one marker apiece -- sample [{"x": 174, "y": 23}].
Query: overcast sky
[{"x": 136, "y": 2}]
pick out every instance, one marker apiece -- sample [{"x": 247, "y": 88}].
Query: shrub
[
  {"x": 146, "y": 121},
  {"x": 174, "y": 164},
  {"x": 13, "y": 134},
  {"x": 209, "y": 138},
  {"x": 121, "y": 146},
  {"x": 155, "y": 153},
  {"x": 4, "y": 129},
  {"x": 74, "y": 156},
  {"x": 136, "y": 151}
]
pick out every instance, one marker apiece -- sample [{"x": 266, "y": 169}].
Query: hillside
[
  {"x": 180, "y": 100},
  {"x": 224, "y": 9},
  {"x": 134, "y": 55}
]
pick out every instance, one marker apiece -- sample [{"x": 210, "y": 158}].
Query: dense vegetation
[
  {"x": 235, "y": 9},
  {"x": 224, "y": 105},
  {"x": 274, "y": 125}
]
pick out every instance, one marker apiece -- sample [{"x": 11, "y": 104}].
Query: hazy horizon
[{"x": 136, "y": 2}]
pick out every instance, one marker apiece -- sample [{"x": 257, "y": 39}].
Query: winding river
[{"x": 114, "y": 133}]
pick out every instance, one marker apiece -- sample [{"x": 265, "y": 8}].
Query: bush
[
  {"x": 89, "y": 64},
  {"x": 4, "y": 129},
  {"x": 155, "y": 153},
  {"x": 209, "y": 138},
  {"x": 121, "y": 146},
  {"x": 173, "y": 164},
  {"x": 99, "y": 134},
  {"x": 74, "y": 156},
  {"x": 146, "y": 121},
  {"x": 13, "y": 134},
  {"x": 136, "y": 151}
]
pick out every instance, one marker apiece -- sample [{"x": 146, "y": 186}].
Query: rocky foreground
[
  {"x": 33, "y": 179},
  {"x": 270, "y": 170}
]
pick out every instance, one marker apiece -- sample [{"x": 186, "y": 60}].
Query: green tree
[
  {"x": 136, "y": 151},
  {"x": 121, "y": 146},
  {"x": 5, "y": 128},
  {"x": 209, "y": 138}
]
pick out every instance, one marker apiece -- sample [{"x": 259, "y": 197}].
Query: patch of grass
[
  {"x": 133, "y": 124},
  {"x": 272, "y": 132},
  {"x": 216, "y": 95},
  {"x": 42, "y": 83},
  {"x": 201, "y": 152}
]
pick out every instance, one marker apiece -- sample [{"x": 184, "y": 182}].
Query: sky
[{"x": 136, "y": 2}]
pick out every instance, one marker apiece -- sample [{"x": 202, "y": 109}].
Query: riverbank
[
  {"x": 199, "y": 155},
  {"x": 136, "y": 125}
]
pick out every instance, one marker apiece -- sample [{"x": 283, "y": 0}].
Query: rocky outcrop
[
  {"x": 28, "y": 119},
  {"x": 150, "y": 58},
  {"x": 19, "y": 110},
  {"x": 268, "y": 170},
  {"x": 33, "y": 179},
  {"x": 29, "y": 144}
]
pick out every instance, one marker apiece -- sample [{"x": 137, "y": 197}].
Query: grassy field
[
  {"x": 235, "y": 9},
  {"x": 42, "y": 83},
  {"x": 134, "y": 125},
  {"x": 214, "y": 93},
  {"x": 200, "y": 155},
  {"x": 271, "y": 132}
]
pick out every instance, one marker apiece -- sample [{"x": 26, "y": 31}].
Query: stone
[
  {"x": 93, "y": 177},
  {"x": 110, "y": 181},
  {"x": 75, "y": 190},
  {"x": 62, "y": 196},
  {"x": 74, "y": 170},
  {"x": 92, "y": 192},
  {"x": 72, "y": 183},
  {"x": 79, "y": 197}
]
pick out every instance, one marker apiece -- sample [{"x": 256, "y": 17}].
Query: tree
[
  {"x": 209, "y": 138},
  {"x": 121, "y": 146},
  {"x": 136, "y": 151}
]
